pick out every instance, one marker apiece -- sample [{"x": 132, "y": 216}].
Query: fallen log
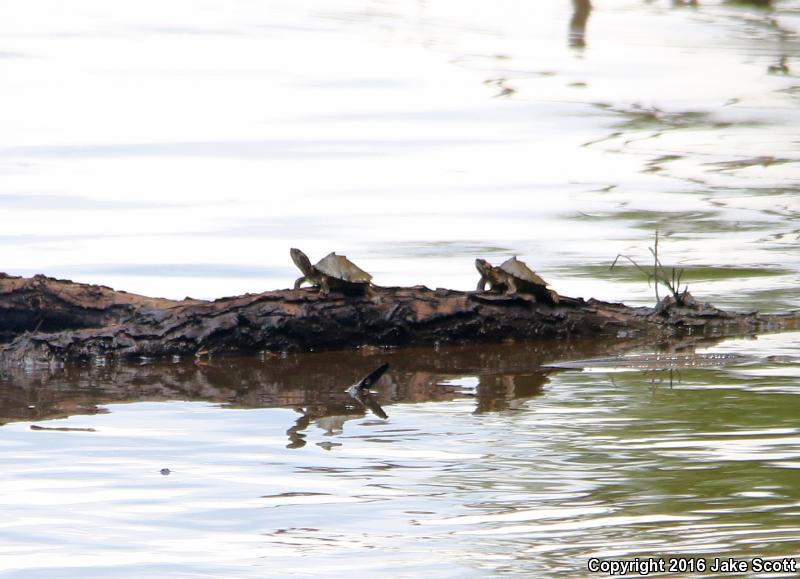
[
  {"x": 53, "y": 321},
  {"x": 49, "y": 305}
]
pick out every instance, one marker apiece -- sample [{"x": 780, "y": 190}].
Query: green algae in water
[{"x": 623, "y": 272}]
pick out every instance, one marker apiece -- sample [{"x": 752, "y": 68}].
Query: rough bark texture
[
  {"x": 45, "y": 304},
  {"x": 56, "y": 321}
]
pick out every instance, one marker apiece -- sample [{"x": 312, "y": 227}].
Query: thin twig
[
  {"x": 636, "y": 265},
  {"x": 659, "y": 274},
  {"x": 656, "y": 265}
]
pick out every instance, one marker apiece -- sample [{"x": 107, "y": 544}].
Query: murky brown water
[{"x": 181, "y": 148}]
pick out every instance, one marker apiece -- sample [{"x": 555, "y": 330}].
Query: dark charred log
[
  {"x": 56, "y": 321},
  {"x": 46, "y": 304}
]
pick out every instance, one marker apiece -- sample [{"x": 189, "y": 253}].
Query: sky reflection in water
[{"x": 217, "y": 135}]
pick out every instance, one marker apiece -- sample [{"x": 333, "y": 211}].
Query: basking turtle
[
  {"x": 512, "y": 277},
  {"x": 332, "y": 272},
  {"x": 490, "y": 274}
]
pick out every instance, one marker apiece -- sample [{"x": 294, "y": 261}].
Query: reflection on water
[
  {"x": 277, "y": 468},
  {"x": 577, "y": 25},
  {"x": 313, "y": 384}
]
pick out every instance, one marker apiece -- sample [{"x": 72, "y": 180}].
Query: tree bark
[{"x": 49, "y": 321}]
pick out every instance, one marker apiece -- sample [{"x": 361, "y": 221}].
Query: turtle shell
[
  {"x": 520, "y": 270},
  {"x": 341, "y": 268}
]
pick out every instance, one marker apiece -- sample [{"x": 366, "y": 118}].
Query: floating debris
[
  {"x": 360, "y": 391},
  {"x": 367, "y": 381},
  {"x": 62, "y": 428},
  {"x": 661, "y": 361}
]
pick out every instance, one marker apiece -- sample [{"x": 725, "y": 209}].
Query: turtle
[
  {"x": 332, "y": 272},
  {"x": 514, "y": 277}
]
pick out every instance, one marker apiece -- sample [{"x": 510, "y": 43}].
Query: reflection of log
[
  {"x": 577, "y": 25},
  {"x": 315, "y": 383},
  {"x": 78, "y": 322}
]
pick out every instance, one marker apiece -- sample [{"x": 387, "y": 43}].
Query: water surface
[
  {"x": 181, "y": 148},
  {"x": 488, "y": 464},
  {"x": 181, "y": 151}
]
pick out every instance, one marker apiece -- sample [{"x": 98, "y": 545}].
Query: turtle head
[
  {"x": 301, "y": 260},
  {"x": 484, "y": 267}
]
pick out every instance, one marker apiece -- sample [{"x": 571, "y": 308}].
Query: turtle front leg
[
  {"x": 299, "y": 281},
  {"x": 512, "y": 285},
  {"x": 482, "y": 284},
  {"x": 372, "y": 295},
  {"x": 324, "y": 286}
]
